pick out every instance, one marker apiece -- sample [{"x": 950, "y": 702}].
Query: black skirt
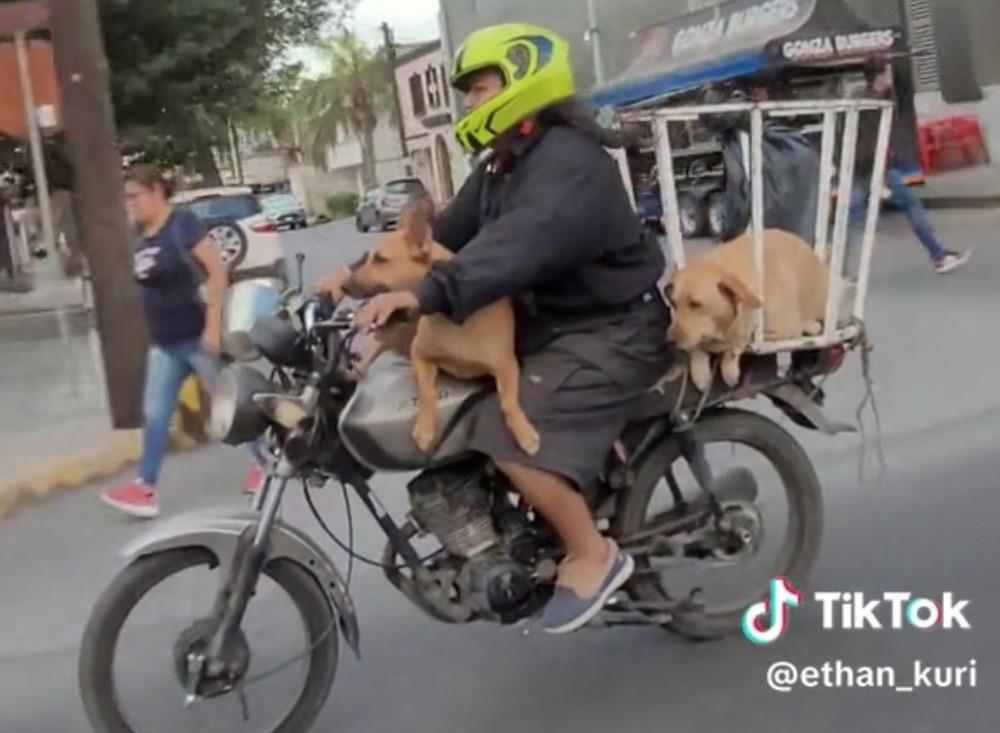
[{"x": 580, "y": 390}]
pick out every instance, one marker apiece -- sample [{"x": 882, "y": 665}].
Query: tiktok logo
[{"x": 765, "y": 622}]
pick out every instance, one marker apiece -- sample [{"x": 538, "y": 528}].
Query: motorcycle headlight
[
  {"x": 288, "y": 411},
  {"x": 236, "y": 418}
]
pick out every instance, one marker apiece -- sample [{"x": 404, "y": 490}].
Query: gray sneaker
[
  {"x": 566, "y": 611},
  {"x": 951, "y": 261}
]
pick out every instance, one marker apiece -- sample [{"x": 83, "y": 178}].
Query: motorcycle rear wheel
[
  {"x": 805, "y": 500},
  {"x": 97, "y": 653}
]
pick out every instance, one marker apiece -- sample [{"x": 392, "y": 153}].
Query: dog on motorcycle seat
[
  {"x": 482, "y": 346},
  {"x": 715, "y": 300}
]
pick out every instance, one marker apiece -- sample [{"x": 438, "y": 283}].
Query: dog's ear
[
  {"x": 416, "y": 231},
  {"x": 738, "y": 291},
  {"x": 668, "y": 292}
]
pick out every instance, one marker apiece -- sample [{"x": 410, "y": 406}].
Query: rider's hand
[{"x": 376, "y": 312}]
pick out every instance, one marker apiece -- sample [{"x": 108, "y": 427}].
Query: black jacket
[{"x": 550, "y": 223}]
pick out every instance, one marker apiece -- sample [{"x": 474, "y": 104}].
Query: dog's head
[
  {"x": 706, "y": 301},
  {"x": 401, "y": 260}
]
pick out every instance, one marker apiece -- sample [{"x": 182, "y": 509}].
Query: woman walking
[{"x": 172, "y": 256}]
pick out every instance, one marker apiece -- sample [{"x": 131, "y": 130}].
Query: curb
[
  {"x": 119, "y": 451},
  {"x": 961, "y": 202}
]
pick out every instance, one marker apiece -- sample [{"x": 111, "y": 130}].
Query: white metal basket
[{"x": 837, "y": 327}]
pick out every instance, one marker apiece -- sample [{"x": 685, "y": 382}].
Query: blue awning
[{"x": 631, "y": 91}]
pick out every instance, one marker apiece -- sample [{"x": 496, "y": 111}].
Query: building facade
[{"x": 426, "y": 103}]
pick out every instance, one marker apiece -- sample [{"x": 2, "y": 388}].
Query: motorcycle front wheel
[{"x": 100, "y": 640}]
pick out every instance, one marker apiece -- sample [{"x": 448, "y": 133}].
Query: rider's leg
[
  {"x": 565, "y": 509},
  {"x": 594, "y": 568}
]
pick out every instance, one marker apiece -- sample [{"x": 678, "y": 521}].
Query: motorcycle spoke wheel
[
  {"x": 128, "y": 662},
  {"x": 785, "y": 520}
]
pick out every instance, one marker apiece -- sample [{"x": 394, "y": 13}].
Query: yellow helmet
[{"x": 534, "y": 63}]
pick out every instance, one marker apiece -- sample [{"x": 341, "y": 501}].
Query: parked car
[
  {"x": 248, "y": 241},
  {"x": 380, "y": 208},
  {"x": 284, "y": 210}
]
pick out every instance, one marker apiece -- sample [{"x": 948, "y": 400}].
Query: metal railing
[{"x": 835, "y": 330}]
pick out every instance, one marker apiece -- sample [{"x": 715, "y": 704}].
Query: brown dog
[
  {"x": 481, "y": 346},
  {"x": 715, "y": 299}
]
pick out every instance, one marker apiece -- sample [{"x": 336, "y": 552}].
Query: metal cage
[{"x": 832, "y": 251}]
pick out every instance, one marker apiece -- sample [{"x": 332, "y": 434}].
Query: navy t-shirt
[{"x": 164, "y": 267}]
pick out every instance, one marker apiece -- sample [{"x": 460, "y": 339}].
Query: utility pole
[
  {"x": 99, "y": 204},
  {"x": 390, "y": 54},
  {"x": 594, "y": 35},
  {"x": 234, "y": 151},
  {"x": 35, "y": 142}
]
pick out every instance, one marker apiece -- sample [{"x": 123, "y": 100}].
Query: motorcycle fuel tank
[{"x": 377, "y": 423}]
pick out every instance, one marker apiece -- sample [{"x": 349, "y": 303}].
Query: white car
[{"x": 248, "y": 240}]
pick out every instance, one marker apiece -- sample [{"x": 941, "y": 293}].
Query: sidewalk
[
  {"x": 977, "y": 187},
  {"x": 55, "y": 431}
]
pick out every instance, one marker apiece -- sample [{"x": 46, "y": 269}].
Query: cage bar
[{"x": 668, "y": 193}]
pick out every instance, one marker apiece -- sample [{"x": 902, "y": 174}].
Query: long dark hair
[{"x": 573, "y": 113}]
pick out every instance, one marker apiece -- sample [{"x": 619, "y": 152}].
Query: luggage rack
[{"x": 830, "y": 242}]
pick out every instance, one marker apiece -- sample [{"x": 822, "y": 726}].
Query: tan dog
[
  {"x": 481, "y": 346},
  {"x": 715, "y": 299}
]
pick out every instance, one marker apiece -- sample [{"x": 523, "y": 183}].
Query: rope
[
  {"x": 869, "y": 397},
  {"x": 704, "y": 396}
]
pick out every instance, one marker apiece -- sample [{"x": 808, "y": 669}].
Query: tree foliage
[
  {"x": 181, "y": 68},
  {"x": 349, "y": 98}
]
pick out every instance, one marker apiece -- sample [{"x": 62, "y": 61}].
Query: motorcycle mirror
[{"x": 300, "y": 260}]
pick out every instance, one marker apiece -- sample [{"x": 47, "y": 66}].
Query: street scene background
[
  {"x": 928, "y": 526},
  {"x": 273, "y": 119}
]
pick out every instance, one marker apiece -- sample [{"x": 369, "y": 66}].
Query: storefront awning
[
  {"x": 741, "y": 38},
  {"x": 672, "y": 82}
]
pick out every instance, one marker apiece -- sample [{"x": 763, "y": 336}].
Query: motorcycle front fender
[{"x": 219, "y": 531}]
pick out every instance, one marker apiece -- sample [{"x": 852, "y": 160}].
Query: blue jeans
[
  {"x": 166, "y": 369},
  {"x": 904, "y": 198}
]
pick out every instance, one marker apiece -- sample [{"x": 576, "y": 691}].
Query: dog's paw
[
  {"x": 731, "y": 370},
  {"x": 701, "y": 379},
  {"x": 701, "y": 373},
  {"x": 526, "y": 436},
  {"x": 424, "y": 433},
  {"x": 813, "y": 328}
]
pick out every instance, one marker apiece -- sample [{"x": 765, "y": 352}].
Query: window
[
  {"x": 225, "y": 207},
  {"x": 417, "y": 95},
  {"x": 406, "y": 185},
  {"x": 925, "y": 58},
  {"x": 433, "y": 90},
  {"x": 444, "y": 86}
]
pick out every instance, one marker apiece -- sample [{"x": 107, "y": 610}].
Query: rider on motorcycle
[{"x": 546, "y": 220}]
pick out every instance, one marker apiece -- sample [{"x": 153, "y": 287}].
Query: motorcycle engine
[{"x": 492, "y": 546}]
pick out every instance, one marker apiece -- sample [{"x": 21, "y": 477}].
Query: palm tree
[{"x": 349, "y": 98}]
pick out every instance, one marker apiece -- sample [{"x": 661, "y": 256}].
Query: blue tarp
[{"x": 630, "y": 91}]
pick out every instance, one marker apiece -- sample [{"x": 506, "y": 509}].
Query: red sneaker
[
  {"x": 254, "y": 479},
  {"x": 135, "y": 499}
]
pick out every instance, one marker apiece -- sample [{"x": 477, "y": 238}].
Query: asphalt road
[{"x": 929, "y": 527}]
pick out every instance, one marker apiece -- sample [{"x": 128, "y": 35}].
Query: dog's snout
[{"x": 360, "y": 291}]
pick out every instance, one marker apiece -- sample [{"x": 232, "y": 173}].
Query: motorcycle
[{"x": 494, "y": 559}]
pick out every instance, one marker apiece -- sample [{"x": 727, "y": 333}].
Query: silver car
[{"x": 380, "y": 208}]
